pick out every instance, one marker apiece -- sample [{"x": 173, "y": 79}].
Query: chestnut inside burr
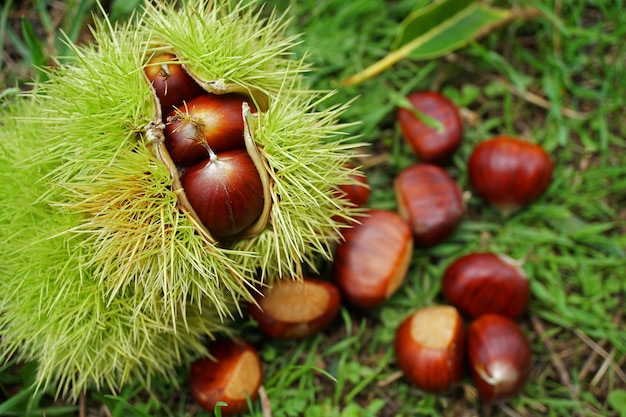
[{"x": 225, "y": 194}]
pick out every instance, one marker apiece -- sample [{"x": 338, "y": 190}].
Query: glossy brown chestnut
[
  {"x": 172, "y": 84},
  {"x": 431, "y": 201},
  {"x": 499, "y": 357},
  {"x": 296, "y": 309},
  {"x": 232, "y": 374},
  {"x": 210, "y": 120},
  {"x": 430, "y": 348},
  {"x": 433, "y": 144},
  {"x": 225, "y": 191},
  {"x": 509, "y": 173},
  {"x": 482, "y": 283},
  {"x": 357, "y": 193},
  {"x": 372, "y": 261}
]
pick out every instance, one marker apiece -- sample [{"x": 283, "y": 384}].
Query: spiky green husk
[
  {"x": 54, "y": 311},
  {"x": 103, "y": 276}
]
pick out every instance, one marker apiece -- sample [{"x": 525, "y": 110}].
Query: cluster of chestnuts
[
  {"x": 433, "y": 345},
  {"x": 205, "y": 141}
]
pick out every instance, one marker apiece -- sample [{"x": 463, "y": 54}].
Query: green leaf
[
  {"x": 445, "y": 26},
  {"x": 617, "y": 400},
  {"x": 439, "y": 29}
]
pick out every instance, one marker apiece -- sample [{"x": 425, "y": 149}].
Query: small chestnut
[
  {"x": 482, "y": 283},
  {"x": 430, "y": 348},
  {"x": 358, "y": 193},
  {"x": 211, "y": 120},
  {"x": 172, "y": 84},
  {"x": 499, "y": 357},
  {"x": 509, "y": 172},
  {"x": 433, "y": 144},
  {"x": 372, "y": 261},
  {"x": 225, "y": 191},
  {"x": 295, "y": 309},
  {"x": 431, "y": 201},
  {"x": 231, "y": 374}
]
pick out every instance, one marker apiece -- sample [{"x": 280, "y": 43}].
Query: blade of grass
[
  {"x": 73, "y": 23},
  {"x": 13, "y": 403},
  {"x": 3, "y": 28},
  {"x": 121, "y": 9},
  {"x": 44, "y": 16},
  {"x": 37, "y": 56},
  {"x": 370, "y": 378},
  {"x": 127, "y": 407}
]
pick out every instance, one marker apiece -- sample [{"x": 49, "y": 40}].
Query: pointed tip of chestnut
[
  {"x": 483, "y": 283},
  {"x": 172, "y": 84},
  {"x": 431, "y": 201},
  {"x": 210, "y": 120},
  {"x": 431, "y": 143},
  {"x": 509, "y": 173},
  {"x": 294, "y": 309},
  {"x": 372, "y": 261},
  {"x": 430, "y": 348},
  {"x": 232, "y": 374},
  {"x": 499, "y": 356}
]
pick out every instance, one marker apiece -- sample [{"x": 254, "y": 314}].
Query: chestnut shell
[
  {"x": 172, "y": 84},
  {"x": 431, "y": 201},
  {"x": 296, "y": 309},
  {"x": 371, "y": 263},
  {"x": 231, "y": 374},
  {"x": 509, "y": 173},
  {"x": 499, "y": 356},
  {"x": 427, "y": 142},
  {"x": 430, "y": 348},
  {"x": 226, "y": 192},
  {"x": 216, "y": 120},
  {"x": 482, "y": 283}
]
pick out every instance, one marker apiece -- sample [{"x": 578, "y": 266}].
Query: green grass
[{"x": 559, "y": 80}]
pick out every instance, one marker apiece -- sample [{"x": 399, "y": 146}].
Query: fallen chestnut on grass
[
  {"x": 482, "y": 283},
  {"x": 431, "y": 201},
  {"x": 172, "y": 84},
  {"x": 232, "y": 374},
  {"x": 437, "y": 140},
  {"x": 430, "y": 348},
  {"x": 499, "y": 357},
  {"x": 372, "y": 261},
  {"x": 509, "y": 173},
  {"x": 213, "y": 120},
  {"x": 225, "y": 191},
  {"x": 296, "y": 309}
]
